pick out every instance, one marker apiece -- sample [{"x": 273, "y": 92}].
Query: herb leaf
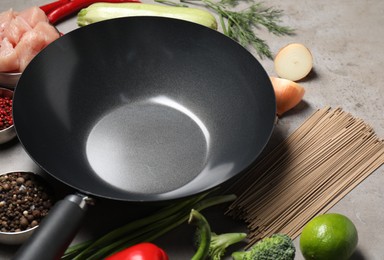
[{"x": 241, "y": 25}]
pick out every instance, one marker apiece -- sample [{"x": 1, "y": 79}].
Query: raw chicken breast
[
  {"x": 16, "y": 28},
  {"x": 22, "y": 36},
  {"x": 33, "y": 16},
  {"x": 5, "y": 18},
  {"x": 48, "y": 31},
  {"x": 8, "y": 57},
  {"x": 29, "y": 46}
]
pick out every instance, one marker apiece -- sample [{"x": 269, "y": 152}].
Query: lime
[{"x": 328, "y": 237}]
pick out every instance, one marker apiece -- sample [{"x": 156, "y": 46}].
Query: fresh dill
[{"x": 241, "y": 25}]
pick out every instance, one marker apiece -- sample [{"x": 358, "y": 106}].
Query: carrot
[
  {"x": 288, "y": 94},
  {"x": 293, "y": 62}
]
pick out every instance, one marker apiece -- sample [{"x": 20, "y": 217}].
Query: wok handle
[{"x": 56, "y": 230}]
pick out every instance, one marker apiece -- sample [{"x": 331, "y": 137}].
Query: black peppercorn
[{"x": 24, "y": 200}]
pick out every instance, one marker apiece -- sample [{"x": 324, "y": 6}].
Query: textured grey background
[{"x": 346, "y": 39}]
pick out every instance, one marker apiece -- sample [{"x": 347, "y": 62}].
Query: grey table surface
[{"x": 346, "y": 39}]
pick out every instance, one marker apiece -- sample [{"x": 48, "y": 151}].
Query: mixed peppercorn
[
  {"x": 24, "y": 200},
  {"x": 6, "y": 119}
]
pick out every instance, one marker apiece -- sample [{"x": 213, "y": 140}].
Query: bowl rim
[
  {"x": 10, "y": 73},
  {"x": 19, "y": 232},
  {"x": 7, "y": 89},
  {"x": 7, "y": 129},
  {"x": 9, "y": 79}
]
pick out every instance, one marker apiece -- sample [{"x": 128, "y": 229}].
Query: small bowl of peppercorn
[
  {"x": 25, "y": 199},
  {"x": 7, "y": 130}
]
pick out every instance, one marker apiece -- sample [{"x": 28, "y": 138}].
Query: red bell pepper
[
  {"x": 61, "y": 9},
  {"x": 142, "y": 251}
]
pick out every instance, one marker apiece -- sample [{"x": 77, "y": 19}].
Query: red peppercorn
[{"x": 6, "y": 119}]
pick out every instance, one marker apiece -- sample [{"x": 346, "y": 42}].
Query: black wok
[{"x": 138, "y": 109}]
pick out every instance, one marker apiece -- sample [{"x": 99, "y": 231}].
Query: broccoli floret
[
  {"x": 276, "y": 247},
  {"x": 211, "y": 245},
  {"x": 219, "y": 243}
]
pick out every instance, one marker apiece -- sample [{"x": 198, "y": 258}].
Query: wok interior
[{"x": 144, "y": 108}]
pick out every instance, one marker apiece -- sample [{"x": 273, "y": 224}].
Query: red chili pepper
[
  {"x": 75, "y": 5},
  {"x": 52, "y": 6},
  {"x": 142, "y": 251}
]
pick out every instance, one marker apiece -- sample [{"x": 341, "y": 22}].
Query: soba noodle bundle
[{"x": 309, "y": 172}]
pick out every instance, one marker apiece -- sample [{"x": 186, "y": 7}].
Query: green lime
[{"x": 328, "y": 237}]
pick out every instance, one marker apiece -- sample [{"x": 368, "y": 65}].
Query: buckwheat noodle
[{"x": 305, "y": 175}]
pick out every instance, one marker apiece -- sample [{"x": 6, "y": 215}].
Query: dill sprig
[{"x": 241, "y": 25}]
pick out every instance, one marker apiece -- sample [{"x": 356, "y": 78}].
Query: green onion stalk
[{"x": 147, "y": 229}]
